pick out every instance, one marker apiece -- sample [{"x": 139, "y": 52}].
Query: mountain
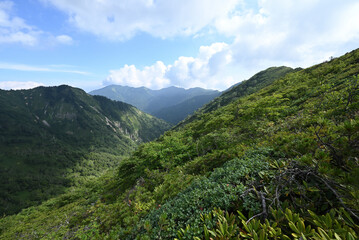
[
  {"x": 174, "y": 114},
  {"x": 160, "y": 103},
  {"x": 258, "y": 81},
  {"x": 49, "y": 135},
  {"x": 278, "y": 163},
  {"x": 138, "y": 97}
]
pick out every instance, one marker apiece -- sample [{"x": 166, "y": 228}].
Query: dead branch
[
  {"x": 264, "y": 212},
  {"x": 336, "y": 195}
]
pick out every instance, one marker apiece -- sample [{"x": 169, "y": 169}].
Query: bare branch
[
  {"x": 337, "y": 196},
  {"x": 264, "y": 212}
]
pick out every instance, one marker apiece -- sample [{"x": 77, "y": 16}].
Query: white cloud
[
  {"x": 64, "y": 39},
  {"x": 152, "y": 76},
  {"x": 121, "y": 20},
  {"x": 7, "y": 85},
  {"x": 14, "y": 29},
  {"x": 269, "y": 33},
  {"x": 298, "y": 33},
  {"x": 29, "y": 68},
  {"x": 208, "y": 69},
  {"x": 293, "y": 33},
  {"x": 266, "y": 33}
]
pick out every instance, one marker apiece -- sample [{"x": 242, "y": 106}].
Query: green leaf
[
  {"x": 212, "y": 233},
  {"x": 301, "y": 226},
  {"x": 303, "y": 237},
  {"x": 293, "y": 227},
  {"x": 337, "y": 236},
  {"x": 323, "y": 234},
  {"x": 241, "y": 216}
]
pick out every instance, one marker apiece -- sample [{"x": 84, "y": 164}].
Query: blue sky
[{"x": 160, "y": 43}]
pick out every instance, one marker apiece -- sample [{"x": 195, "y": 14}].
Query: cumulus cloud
[
  {"x": 151, "y": 76},
  {"x": 298, "y": 33},
  {"x": 207, "y": 70},
  {"x": 14, "y": 29},
  {"x": 7, "y": 85},
  {"x": 268, "y": 33},
  {"x": 269, "y": 25},
  {"x": 121, "y": 20}
]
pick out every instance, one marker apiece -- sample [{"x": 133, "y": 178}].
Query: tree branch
[{"x": 264, "y": 208}]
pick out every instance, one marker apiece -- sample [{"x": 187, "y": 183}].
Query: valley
[
  {"x": 274, "y": 157},
  {"x": 53, "y": 138},
  {"x": 171, "y": 104}
]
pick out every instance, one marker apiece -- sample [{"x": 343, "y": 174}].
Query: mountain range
[
  {"x": 171, "y": 104},
  {"x": 275, "y": 157},
  {"x": 49, "y": 135}
]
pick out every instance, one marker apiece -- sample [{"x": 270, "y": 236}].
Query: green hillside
[
  {"x": 280, "y": 162},
  {"x": 257, "y": 82},
  {"x": 54, "y": 138},
  {"x": 171, "y": 104},
  {"x": 252, "y": 85}
]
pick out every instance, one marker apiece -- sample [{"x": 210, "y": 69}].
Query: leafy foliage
[
  {"x": 244, "y": 88},
  {"x": 281, "y": 161},
  {"x": 280, "y": 225}
]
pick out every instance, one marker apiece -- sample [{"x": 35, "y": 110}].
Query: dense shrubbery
[
  {"x": 336, "y": 224},
  {"x": 292, "y": 145},
  {"x": 222, "y": 188},
  {"x": 247, "y": 87}
]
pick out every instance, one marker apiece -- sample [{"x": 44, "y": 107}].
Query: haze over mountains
[{"x": 172, "y": 104}]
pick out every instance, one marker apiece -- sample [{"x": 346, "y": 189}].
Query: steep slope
[
  {"x": 255, "y": 83},
  {"x": 244, "y": 88},
  {"x": 159, "y": 102},
  {"x": 51, "y": 135},
  {"x": 176, "y": 113},
  {"x": 265, "y": 159}
]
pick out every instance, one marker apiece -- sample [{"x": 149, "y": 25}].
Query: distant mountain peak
[{"x": 162, "y": 101}]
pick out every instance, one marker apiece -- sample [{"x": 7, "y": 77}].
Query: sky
[{"x": 160, "y": 43}]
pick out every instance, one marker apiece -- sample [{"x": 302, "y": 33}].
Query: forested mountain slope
[
  {"x": 172, "y": 104},
  {"x": 279, "y": 163},
  {"x": 175, "y": 114},
  {"x": 258, "y": 81},
  {"x": 51, "y": 137}
]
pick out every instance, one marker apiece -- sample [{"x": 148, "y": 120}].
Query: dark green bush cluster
[{"x": 222, "y": 188}]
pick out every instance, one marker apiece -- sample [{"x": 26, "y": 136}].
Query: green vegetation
[
  {"x": 244, "y": 88},
  {"x": 175, "y": 114},
  {"x": 277, "y": 162},
  {"x": 54, "y": 138},
  {"x": 172, "y": 104}
]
